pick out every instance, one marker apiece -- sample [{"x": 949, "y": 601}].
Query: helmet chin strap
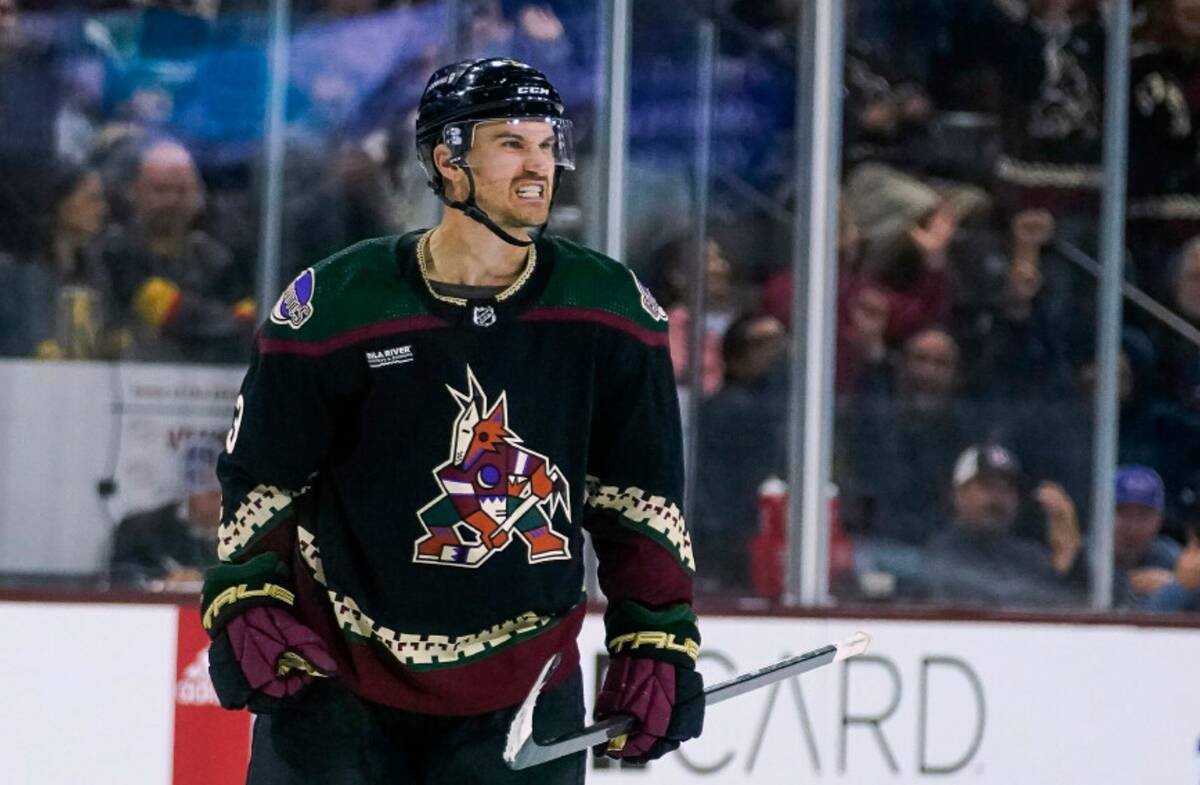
[{"x": 472, "y": 209}]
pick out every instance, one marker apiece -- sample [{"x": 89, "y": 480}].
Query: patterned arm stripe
[
  {"x": 416, "y": 650},
  {"x": 653, "y": 515},
  {"x": 259, "y": 511}
]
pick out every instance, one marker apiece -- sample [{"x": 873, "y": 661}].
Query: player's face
[{"x": 513, "y": 166}]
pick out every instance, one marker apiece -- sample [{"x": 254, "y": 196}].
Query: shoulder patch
[
  {"x": 649, "y": 304},
  {"x": 295, "y": 305}
]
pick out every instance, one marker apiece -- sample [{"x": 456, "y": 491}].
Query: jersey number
[{"x": 231, "y": 438}]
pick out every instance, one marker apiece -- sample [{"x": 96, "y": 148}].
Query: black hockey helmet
[{"x": 462, "y": 94}]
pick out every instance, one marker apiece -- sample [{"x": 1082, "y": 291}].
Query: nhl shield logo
[
  {"x": 494, "y": 490},
  {"x": 484, "y": 316}
]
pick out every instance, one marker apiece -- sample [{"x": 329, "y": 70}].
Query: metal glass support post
[
  {"x": 611, "y": 123},
  {"x": 820, "y": 49},
  {"x": 268, "y": 284},
  {"x": 1108, "y": 332},
  {"x": 702, "y": 170},
  {"x": 612, "y": 141},
  {"x": 456, "y": 38}
]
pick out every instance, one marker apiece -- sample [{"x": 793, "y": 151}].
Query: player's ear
[
  {"x": 452, "y": 174},
  {"x": 441, "y": 159}
]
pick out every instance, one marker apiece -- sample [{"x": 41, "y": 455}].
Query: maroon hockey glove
[
  {"x": 657, "y": 694},
  {"x": 264, "y": 656},
  {"x": 277, "y": 654},
  {"x": 261, "y": 653}
]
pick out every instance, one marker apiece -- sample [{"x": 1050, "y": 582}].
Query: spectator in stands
[
  {"x": 909, "y": 35},
  {"x": 334, "y": 194},
  {"x": 743, "y": 441},
  {"x": 1150, "y": 433},
  {"x": 533, "y": 33},
  {"x": 30, "y": 98},
  {"x": 672, "y": 265},
  {"x": 170, "y": 546},
  {"x": 54, "y": 305},
  {"x": 1179, "y": 356},
  {"x": 1049, "y": 55},
  {"x": 887, "y": 117},
  {"x": 1152, "y": 572},
  {"x": 1010, "y": 332},
  {"x": 907, "y": 228},
  {"x": 178, "y": 289},
  {"x": 778, "y": 289},
  {"x": 1164, "y": 135},
  {"x": 978, "y": 559},
  {"x": 1184, "y": 506},
  {"x": 862, "y": 352},
  {"x": 900, "y": 437}
]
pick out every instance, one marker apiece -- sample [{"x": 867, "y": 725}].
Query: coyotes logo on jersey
[{"x": 493, "y": 489}]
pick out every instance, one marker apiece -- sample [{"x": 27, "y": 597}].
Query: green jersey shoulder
[
  {"x": 588, "y": 279},
  {"x": 352, "y": 288}
]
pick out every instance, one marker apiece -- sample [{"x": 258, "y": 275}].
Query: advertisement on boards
[
  {"x": 211, "y": 745},
  {"x": 941, "y": 702},
  {"x": 932, "y": 702}
]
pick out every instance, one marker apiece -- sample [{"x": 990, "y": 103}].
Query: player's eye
[{"x": 512, "y": 144}]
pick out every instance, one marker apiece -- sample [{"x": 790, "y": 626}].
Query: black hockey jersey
[
  {"x": 1164, "y": 142},
  {"x": 1052, "y": 103},
  {"x": 428, "y": 464}
]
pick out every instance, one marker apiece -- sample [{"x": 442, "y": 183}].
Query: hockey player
[{"x": 428, "y": 424}]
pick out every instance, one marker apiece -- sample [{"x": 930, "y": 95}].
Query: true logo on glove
[
  {"x": 235, "y": 594},
  {"x": 654, "y": 639}
]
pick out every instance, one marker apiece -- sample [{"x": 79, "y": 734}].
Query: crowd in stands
[
  {"x": 131, "y": 205},
  {"x": 965, "y": 342}
]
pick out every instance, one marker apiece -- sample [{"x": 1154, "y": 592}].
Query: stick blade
[
  {"x": 852, "y": 646},
  {"x": 520, "y": 732}
]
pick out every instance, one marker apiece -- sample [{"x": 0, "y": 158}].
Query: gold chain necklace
[{"x": 423, "y": 263}]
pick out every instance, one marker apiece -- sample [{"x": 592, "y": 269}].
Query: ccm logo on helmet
[{"x": 533, "y": 91}]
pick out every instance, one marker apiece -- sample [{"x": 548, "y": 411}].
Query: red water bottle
[{"x": 768, "y": 548}]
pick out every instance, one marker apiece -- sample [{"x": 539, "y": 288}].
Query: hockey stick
[{"x": 522, "y": 751}]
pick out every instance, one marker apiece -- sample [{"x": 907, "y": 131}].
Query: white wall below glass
[{"x": 958, "y": 702}]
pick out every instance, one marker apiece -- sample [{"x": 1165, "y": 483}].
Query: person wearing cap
[
  {"x": 978, "y": 559},
  {"x": 1153, "y": 572},
  {"x": 168, "y": 547},
  {"x": 429, "y": 423}
]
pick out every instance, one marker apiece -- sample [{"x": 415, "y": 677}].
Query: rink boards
[{"x": 117, "y": 693}]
